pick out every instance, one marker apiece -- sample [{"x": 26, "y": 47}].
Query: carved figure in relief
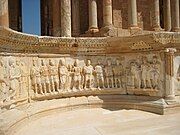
[
  {"x": 178, "y": 74},
  {"x": 35, "y": 75},
  {"x": 63, "y": 74},
  {"x": 118, "y": 71},
  {"x": 14, "y": 77},
  {"x": 99, "y": 75},
  {"x": 77, "y": 76},
  {"x": 109, "y": 74},
  {"x": 24, "y": 76},
  {"x": 88, "y": 75},
  {"x": 155, "y": 72},
  {"x": 45, "y": 77},
  {"x": 145, "y": 72},
  {"x": 54, "y": 78},
  {"x": 3, "y": 83},
  {"x": 134, "y": 74}
]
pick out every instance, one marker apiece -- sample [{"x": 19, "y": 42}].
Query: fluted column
[
  {"x": 175, "y": 15},
  {"x": 132, "y": 13},
  {"x": 66, "y": 18},
  {"x": 156, "y": 16},
  {"x": 169, "y": 70},
  {"x": 75, "y": 18},
  {"x": 93, "y": 23},
  {"x": 56, "y": 18},
  {"x": 167, "y": 18},
  {"x": 107, "y": 13},
  {"x": 4, "y": 14}
]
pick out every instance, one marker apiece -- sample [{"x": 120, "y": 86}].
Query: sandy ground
[{"x": 104, "y": 122}]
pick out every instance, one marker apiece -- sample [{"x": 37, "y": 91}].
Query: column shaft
[
  {"x": 56, "y": 18},
  {"x": 175, "y": 15},
  {"x": 93, "y": 23},
  {"x": 156, "y": 16},
  {"x": 66, "y": 18},
  {"x": 107, "y": 12},
  {"x": 133, "y": 13},
  {"x": 167, "y": 12},
  {"x": 4, "y": 14},
  {"x": 75, "y": 18}
]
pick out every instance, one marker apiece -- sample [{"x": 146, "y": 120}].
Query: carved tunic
[
  {"x": 88, "y": 71},
  {"x": 99, "y": 72},
  {"x": 63, "y": 74},
  {"x": 45, "y": 74}
]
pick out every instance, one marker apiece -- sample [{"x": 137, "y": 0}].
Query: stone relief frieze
[{"x": 40, "y": 77}]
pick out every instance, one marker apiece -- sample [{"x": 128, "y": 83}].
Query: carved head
[
  {"x": 76, "y": 62},
  {"x": 18, "y": 62},
  {"x": 12, "y": 62},
  {"x": 43, "y": 62},
  {"x": 117, "y": 62},
  {"x": 144, "y": 59},
  {"x": 109, "y": 62},
  {"x": 62, "y": 62},
  {"x": 99, "y": 61},
  {"x": 155, "y": 59},
  {"x": 88, "y": 62},
  {"x": 51, "y": 62}
]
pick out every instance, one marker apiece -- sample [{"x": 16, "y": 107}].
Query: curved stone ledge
[
  {"x": 124, "y": 73},
  {"x": 14, "y": 119}
]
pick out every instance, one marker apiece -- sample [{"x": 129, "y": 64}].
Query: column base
[
  {"x": 135, "y": 30},
  {"x": 176, "y": 29},
  {"x": 93, "y": 30},
  {"x": 157, "y": 29},
  {"x": 109, "y": 31}
]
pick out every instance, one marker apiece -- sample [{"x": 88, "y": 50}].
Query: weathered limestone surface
[{"x": 41, "y": 74}]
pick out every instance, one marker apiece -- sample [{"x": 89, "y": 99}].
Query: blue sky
[{"x": 31, "y": 17}]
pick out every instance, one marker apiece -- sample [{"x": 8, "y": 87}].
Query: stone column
[
  {"x": 167, "y": 18},
  {"x": 175, "y": 15},
  {"x": 56, "y": 18},
  {"x": 4, "y": 14},
  {"x": 93, "y": 24},
  {"x": 75, "y": 18},
  {"x": 107, "y": 13},
  {"x": 169, "y": 69},
  {"x": 156, "y": 16},
  {"x": 132, "y": 13},
  {"x": 66, "y": 18}
]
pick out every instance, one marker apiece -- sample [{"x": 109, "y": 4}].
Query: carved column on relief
[
  {"x": 169, "y": 68},
  {"x": 4, "y": 15},
  {"x": 66, "y": 18}
]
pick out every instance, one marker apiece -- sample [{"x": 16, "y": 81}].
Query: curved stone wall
[{"x": 140, "y": 72}]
